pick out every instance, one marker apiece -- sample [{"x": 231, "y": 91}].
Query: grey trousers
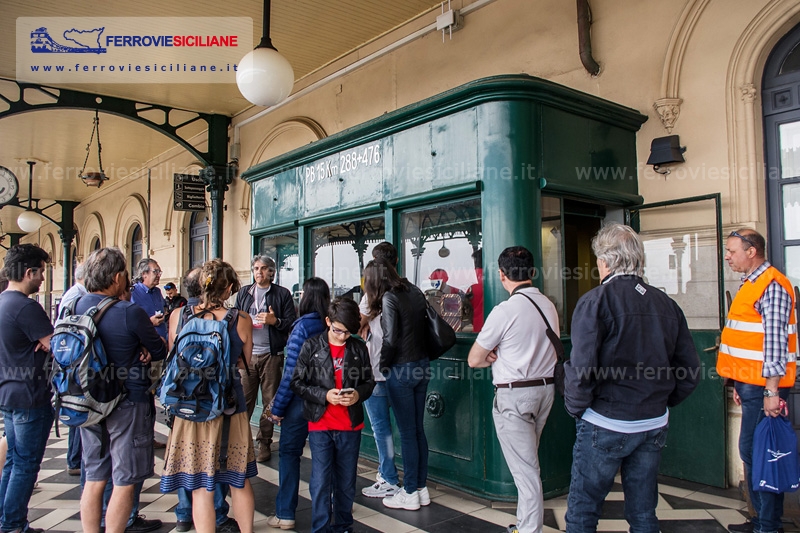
[
  {"x": 265, "y": 371},
  {"x": 519, "y": 418}
]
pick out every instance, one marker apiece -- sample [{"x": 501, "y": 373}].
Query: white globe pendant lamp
[
  {"x": 29, "y": 221},
  {"x": 264, "y": 77}
]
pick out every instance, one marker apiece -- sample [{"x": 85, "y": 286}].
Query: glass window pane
[
  {"x": 552, "y": 246},
  {"x": 284, "y": 251},
  {"x": 340, "y": 252},
  {"x": 441, "y": 254},
  {"x": 791, "y": 211},
  {"x": 682, "y": 261},
  {"x": 791, "y": 63},
  {"x": 793, "y": 264},
  {"x": 198, "y": 252},
  {"x": 790, "y": 149}
]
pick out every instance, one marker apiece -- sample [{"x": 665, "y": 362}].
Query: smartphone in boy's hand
[{"x": 342, "y": 392}]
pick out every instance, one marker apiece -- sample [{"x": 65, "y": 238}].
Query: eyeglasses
[
  {"x": 745, "y": 239},
  {"x": 156, "y": 271},
  {"x": 340, "y": 331}
]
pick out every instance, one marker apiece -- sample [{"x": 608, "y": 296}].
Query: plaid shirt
[{"x": 775, "y": 308}]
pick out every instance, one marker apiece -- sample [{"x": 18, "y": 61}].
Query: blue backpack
[
  {"x": 197, "y": 382},
  {"x": 85, "y": 385}
]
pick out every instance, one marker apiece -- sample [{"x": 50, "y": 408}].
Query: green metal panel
[
  {"x": 588, "y": 154},
  {"x": 696, "y": 442}
]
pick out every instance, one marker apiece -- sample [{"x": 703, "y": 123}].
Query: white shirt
[
  {"x": 516, "y": 328},
  {"x": 375, "y": 341}
]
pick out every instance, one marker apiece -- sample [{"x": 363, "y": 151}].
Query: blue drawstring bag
[{"x": 775, "y": 464}]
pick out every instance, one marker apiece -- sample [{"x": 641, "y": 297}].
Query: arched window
[
  {"x": 136, "y": 248},
  {"x": 95, "y": 244},
  {"x": 782, "y": 144},
  {"x": 198, "y": 239}
]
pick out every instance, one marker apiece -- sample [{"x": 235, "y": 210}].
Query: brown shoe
[
  {"x": 159, "y": 445},
  {"x": 264, "y": 455}
]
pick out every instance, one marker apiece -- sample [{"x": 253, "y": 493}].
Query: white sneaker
[
  {"x": 403, "y": 500},
  {"x": 424, "y": 496},
  {"x": 380, "y": 489}
]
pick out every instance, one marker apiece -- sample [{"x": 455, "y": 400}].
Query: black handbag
[
  {"x": 441, "y": 336},
  {"x": 555, "y": 339}
]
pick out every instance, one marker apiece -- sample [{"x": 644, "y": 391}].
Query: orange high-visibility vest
[{"x": 741, "y": 348}]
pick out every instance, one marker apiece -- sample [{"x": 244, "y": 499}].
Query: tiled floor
[{"x": 683, "y": 506}]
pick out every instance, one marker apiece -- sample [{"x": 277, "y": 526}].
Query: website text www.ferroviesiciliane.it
[{"x": 132, "y": 67}]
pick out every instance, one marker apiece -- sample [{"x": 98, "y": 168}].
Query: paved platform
[{"x": 683, "y": 506}]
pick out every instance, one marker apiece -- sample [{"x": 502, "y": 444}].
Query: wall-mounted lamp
[
  {"x": 264, "y": 76},
  {"x": 664, "y": 151}
]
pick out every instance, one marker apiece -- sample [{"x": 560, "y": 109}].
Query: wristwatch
[{"x": 770, "y": 393}]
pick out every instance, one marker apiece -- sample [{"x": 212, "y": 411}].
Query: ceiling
[{"x": 309, "y": 33}]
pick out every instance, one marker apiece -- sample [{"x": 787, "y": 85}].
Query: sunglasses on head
[{"x": 745, "y": 239}]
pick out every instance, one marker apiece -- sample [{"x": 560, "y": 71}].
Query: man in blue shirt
[
  {"x": 147, "y": 294},
  {"x": 24, "y": 387},
  {"x": 121, "y": 448}
]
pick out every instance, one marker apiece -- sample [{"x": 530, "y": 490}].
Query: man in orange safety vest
[{"x": 758, "y": 351}]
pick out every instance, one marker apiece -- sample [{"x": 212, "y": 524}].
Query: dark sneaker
[
  {"x": 747, "y": 527},
  {"x": 183, "y": 527},
  {"x": 74, "y": 471},
  {"x": 142, "y": 525},
  {"x": 228, "y": 526}
]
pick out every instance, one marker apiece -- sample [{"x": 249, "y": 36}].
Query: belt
[{"x": 541, "y": 382}]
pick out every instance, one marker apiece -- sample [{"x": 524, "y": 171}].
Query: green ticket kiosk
[{"x": 452, "y": 181}]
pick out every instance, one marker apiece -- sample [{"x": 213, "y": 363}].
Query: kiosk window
[
  {"x": 552, "y": 254},
  {"x": 340, "y": 252},
  {"x": 283, "y": 249},
  {"x": 441, "y": 254}
]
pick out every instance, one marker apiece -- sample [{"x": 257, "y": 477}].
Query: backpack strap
[
  {"x": 232, "y": 317},
  {"x": 554, "y": 338},
  {"x": 96, "y": 313}
]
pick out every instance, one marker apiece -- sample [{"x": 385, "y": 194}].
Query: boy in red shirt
[{"x": 333, "y": 376}]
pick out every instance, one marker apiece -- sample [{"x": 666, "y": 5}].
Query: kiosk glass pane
[
  {"x": 441, "y": 254},
  {"x": 793, "y": 264},
  {"x": 283, "y": 250},
  {"x": 680, "y": 246},
  {"x": 552, "y": 257},
  {"x": 340, "y": 252},
  {"x": 790, "y": 149},
  {"x": 791, "y": 211}
]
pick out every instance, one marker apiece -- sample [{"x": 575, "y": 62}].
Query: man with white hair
[{"x": 632, "y": 358}]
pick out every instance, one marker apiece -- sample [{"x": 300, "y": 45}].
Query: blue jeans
[
  {"x": 74, "y": 448},
  {"x": 27, "y": 431},
  {"x": 377, "y": 407},
  {"x": 597, "y": 456},
  {"x": 183, "y": 511},
  {"x": 768, "y": 506},
  {"x": 294, "y": 432},
  {"x": 408, "y": 385},
  {"x": 334, "y": 458}
]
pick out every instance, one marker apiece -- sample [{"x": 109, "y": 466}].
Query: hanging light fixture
[
  {"x": 94, "y": 179},
  {"x": 264, "y": 76},
  {"x": 29, "y": 221}
]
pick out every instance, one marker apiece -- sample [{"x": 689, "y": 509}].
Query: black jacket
[
  {"x": 632, "y": 353},
  {"x": 280, "y": 299},
  {"x": 314, "y": 376},
  {"x": 404, "y": 326}
]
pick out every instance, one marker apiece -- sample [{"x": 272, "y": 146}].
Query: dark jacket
[
  {"x": 313, "y": 376},
  {"x": 280, "y": 299},
  {"x": 305, "y": 327},
  {"x": 404, "y": 326},
  {"x": 632, "y": 353}
]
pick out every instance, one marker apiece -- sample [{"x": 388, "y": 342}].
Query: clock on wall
[{"x": 9, "y": 186}]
